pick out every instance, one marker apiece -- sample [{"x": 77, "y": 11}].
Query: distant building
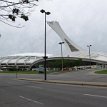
[{"x": 27, "y": 61}]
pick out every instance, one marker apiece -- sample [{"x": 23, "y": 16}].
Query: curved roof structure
[
  {"x": 21, "y": 60},
  {"x": 26, "y": 60},
  {"x": 73, "y": 49}
]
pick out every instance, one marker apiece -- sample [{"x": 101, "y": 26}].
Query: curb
[{"x": 98, "y": 84}]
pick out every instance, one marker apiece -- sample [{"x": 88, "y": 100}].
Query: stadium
[{"x": 30, "y": 61}]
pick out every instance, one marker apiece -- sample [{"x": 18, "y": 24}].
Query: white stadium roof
[
  {"x": 74, "y": 49},
  {"x": 27, "y": 59},
  {"x": 31, "y": 54}
]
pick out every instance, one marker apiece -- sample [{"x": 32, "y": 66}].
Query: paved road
[
  {"x": 17, "y": 93},
  {"x": 85, "y": 75}
]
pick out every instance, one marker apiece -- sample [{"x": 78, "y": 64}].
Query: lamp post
[
  {"x": 16, "y": 71},
  {"x": 89, "y": 46},
  {"x": 45, "y": 57},
  {"x": 61, "y": 53}
]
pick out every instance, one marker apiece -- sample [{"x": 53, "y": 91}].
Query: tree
[{"x": 10, "y": 10}]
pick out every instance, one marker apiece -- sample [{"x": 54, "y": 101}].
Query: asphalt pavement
[
  {"x": 80, "y": 77},
  {"x": 21, "y": 93}
]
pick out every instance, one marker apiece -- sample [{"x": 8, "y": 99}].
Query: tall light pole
[
  {"x": 45, "y": 57},
  {"x": 0, "y": 63},
  {"x": 89, "y": 46},
  {"x": 61, "y": 53}
]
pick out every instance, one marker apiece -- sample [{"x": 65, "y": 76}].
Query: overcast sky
[{"x": 84, "y": 21}]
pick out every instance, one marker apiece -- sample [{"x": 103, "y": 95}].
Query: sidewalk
[
  {"x": 98, "y": 84},
  {"x": 77, "y": 76},
  {"x": 83, "y": 77}
]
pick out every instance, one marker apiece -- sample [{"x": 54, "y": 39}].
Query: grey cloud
[{"x": 84, "y": 21}]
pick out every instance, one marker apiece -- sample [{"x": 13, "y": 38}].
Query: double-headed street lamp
[
  {"x": 45, "y": 57},
  {"x": 61, "y": 53},
  {"x": 89, "y": 46}
]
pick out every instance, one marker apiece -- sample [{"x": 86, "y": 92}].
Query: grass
[
  {"x": 101, "y": 72},
  {"x": 19, "y": 72},
  {"x": 25, "y": 72}
]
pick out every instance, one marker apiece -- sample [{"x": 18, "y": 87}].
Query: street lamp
[
  {"x": 61, "y": 53},
  {"x": 89, "y": 46},
  {"x": 45, "y": 57}
]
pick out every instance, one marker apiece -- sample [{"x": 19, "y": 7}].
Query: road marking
[
  {"x": 95, "y": 95},
  {"x": 9, "y": 82},
  {"x": 34, "y": 101},
  {"x": 35, "y": 87}
]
